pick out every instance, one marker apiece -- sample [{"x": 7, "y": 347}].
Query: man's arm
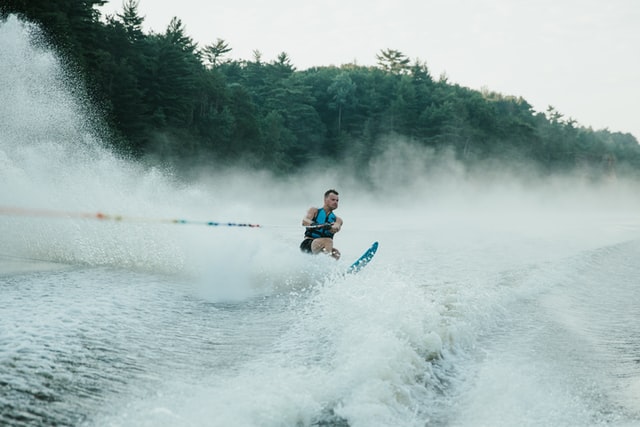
[
  {"x": 336, "y": 225},
  {"x": 308, "y": 219}
]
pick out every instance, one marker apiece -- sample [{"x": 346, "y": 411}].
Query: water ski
[{"x": 364, "y": 259}]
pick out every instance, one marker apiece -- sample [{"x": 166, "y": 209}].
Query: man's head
[{"x": 331, "y": 199}]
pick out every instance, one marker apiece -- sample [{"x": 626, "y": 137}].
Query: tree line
[{"x": 168, "y": 100}]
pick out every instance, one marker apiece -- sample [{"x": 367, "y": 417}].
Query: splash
[
  {"x": 68, "y": 199},
  {"x": 54, "y": 160}
]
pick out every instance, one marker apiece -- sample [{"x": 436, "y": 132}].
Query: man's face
[{"x": 332, "y": 201}]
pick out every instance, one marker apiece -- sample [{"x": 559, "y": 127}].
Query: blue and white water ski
[{"x": 364, "y": 259}]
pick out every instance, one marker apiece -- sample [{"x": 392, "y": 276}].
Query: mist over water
[{"x": 496, "y": 298}]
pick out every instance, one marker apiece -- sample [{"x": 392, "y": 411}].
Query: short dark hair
[{"x": 326, "y": 193}]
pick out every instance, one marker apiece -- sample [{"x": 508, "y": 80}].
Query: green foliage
[
  {"x": 213, "y": 53},
  {"x": 167, "y": 99},
  {"x": 131, "y": 21},
  {"x": 393, "y": 61},
  {"x": 342, "y": 91}
]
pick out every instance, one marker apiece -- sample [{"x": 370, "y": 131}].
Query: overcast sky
[{"x": 580, "y": 56}]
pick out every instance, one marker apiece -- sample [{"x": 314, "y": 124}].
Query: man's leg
[{"x": 325, "y": 245}]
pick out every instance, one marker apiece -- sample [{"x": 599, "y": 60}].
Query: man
[{"x": 321, "y": 225}]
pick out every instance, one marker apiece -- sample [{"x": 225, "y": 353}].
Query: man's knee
[{"x": 322, "y": 245}]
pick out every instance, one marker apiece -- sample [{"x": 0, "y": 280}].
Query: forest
[{"x": 169, "y": 101}]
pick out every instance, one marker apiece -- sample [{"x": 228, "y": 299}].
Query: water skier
[{"x": 322, "y": 224}]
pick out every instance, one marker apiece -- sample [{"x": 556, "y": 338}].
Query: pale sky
[{"x": 580, "y": 56}]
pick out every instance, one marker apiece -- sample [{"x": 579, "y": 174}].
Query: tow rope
[{"x": 13, "y": 211}]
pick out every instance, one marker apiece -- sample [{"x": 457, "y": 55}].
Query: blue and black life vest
[{"x": 321, "y": 218}]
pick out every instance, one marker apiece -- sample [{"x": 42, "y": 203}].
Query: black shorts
[{"x": 305, "y": 246}]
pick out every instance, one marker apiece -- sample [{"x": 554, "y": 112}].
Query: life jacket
[{"x": 321, "y": 218}]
